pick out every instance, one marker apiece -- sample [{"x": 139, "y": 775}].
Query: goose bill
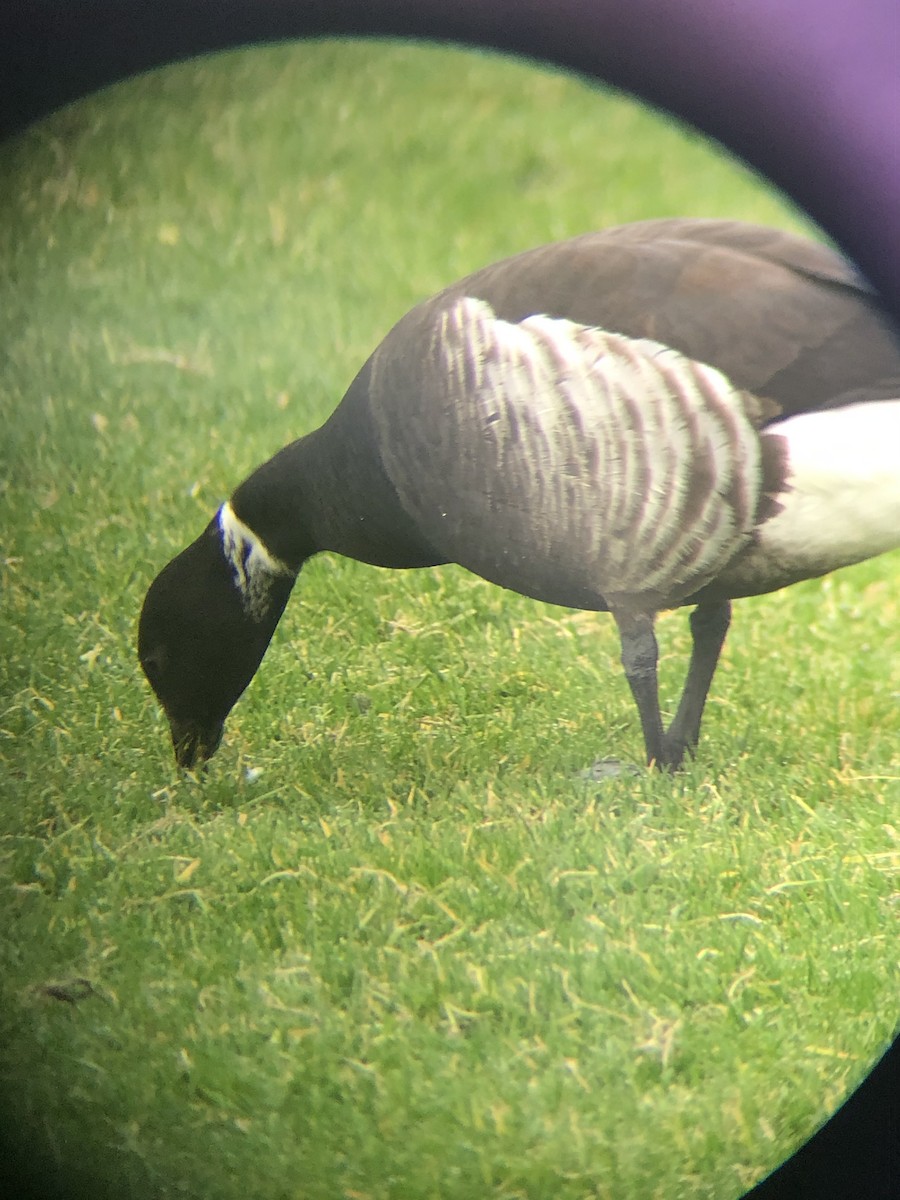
[{"x": 195, "y": 743}]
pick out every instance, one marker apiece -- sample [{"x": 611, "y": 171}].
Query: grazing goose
[{"x": 674, "y": 412}]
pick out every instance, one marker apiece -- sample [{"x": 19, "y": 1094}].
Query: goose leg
[
  {"x": 709, "y": 625},
  {"x": 639, "y": 658}
]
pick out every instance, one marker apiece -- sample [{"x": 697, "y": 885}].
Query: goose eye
[{"x": 153, "y": 666}]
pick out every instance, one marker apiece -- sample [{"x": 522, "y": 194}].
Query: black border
[{"x": 692, "y": 57}]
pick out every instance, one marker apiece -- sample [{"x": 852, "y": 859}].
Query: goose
[{"x": 674, "y": 412}]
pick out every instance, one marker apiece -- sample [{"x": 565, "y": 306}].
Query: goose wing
[
  {"x": 566, "y": 462},
  {"x": 781, "y": 316}
]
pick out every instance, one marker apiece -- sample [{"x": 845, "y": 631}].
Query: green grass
[{"x": 390, "y": 946}]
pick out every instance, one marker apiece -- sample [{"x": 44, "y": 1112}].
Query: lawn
[{"x": 391, "y": 946}]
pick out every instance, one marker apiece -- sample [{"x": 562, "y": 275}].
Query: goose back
[{"x": 778, "y": 315}]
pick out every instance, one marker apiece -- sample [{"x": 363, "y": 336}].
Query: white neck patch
[{"x": 255, "y": 568}]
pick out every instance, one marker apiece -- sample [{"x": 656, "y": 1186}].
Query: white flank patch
[
  {"x": 843, "y": 499},
  {"x": 255, "y": 568}
]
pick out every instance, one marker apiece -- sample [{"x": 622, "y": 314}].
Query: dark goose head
[{"x": 200, "y": 640}]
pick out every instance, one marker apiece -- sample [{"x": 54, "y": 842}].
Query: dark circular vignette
[{"x": 806, "y": 91}]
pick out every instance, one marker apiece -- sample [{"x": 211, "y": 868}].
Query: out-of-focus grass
[{"x": 408, "y": 953}]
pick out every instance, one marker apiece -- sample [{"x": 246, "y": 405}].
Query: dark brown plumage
[{"x": 667, "y": 413}]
